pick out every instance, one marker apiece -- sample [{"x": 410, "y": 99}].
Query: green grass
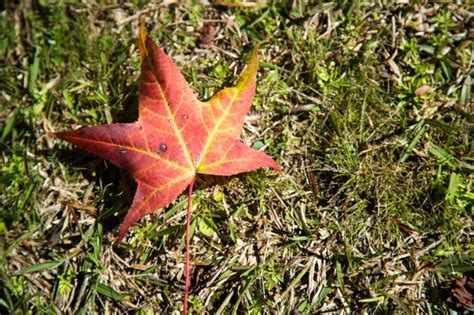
[{"x": 374, "y": 211}]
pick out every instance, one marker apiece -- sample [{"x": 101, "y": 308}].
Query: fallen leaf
[
  {"x": 206, "y": 35},
  {"x": 176, "y": 136},
  {"x": 462, "y": 293},
  {"x": 422, "y": 90}
]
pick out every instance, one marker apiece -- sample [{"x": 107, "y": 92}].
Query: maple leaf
[{"x": 176, "y": 136}]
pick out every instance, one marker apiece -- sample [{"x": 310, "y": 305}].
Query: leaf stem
[{"x": 188, "y": 240}]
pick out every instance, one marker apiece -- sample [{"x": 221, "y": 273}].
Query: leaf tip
[
  {"x": 142, "y": 35},
  {"x": 248, "y": 76},
  {"x": 121, "y": 234},
  {"x": 58, "y": 135},
  {"x": 274, "y": 165},
  {"x": 278, "y": 169},
  {"x": 52, "y": 134}
]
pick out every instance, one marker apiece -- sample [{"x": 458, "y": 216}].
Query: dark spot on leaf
[
  {"x": 163, "y": 147},
  {"x": 122, "y": 151},
  {"x": 184, "y": 117}
]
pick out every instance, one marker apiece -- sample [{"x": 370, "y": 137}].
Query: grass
[{"x": 367, "y": 108}]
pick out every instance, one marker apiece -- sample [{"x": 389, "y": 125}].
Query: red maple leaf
[{"x": 176, "y": 136}]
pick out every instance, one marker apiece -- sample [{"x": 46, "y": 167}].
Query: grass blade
[
  {"x": 421, "y": 127},
  {"x": 49, "y": 265}
]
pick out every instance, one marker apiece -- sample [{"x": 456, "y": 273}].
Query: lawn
[{"x": 366, "y": 107}]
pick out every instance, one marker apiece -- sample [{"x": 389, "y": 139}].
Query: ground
[{"x": 367, "y": 108}]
